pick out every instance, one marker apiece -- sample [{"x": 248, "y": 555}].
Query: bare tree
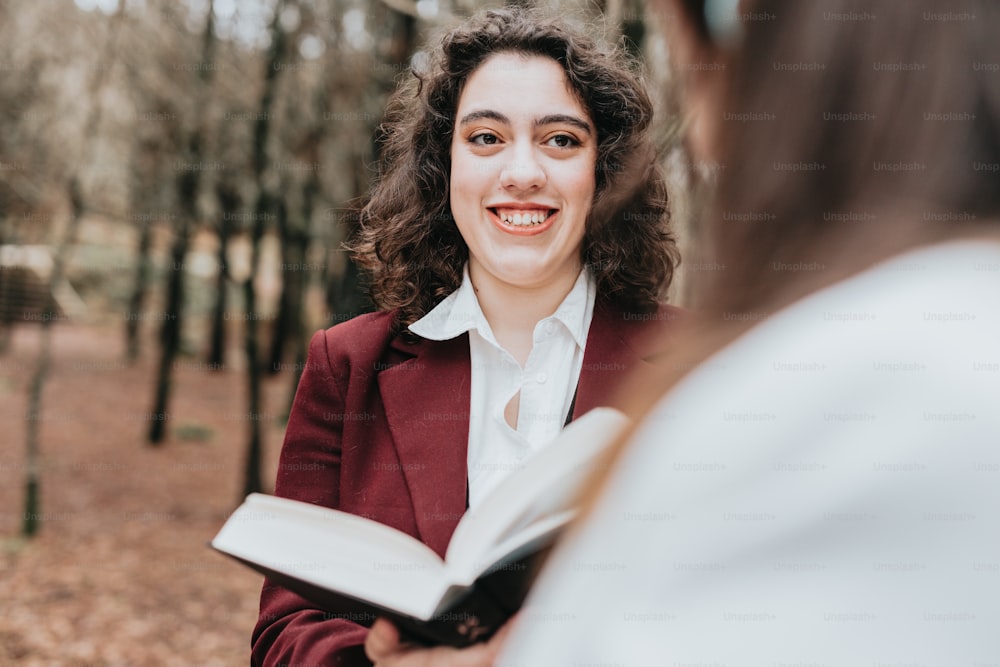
[
  {"x": 263, "y": 210},
  {"x": 188, "y": 183},
  {"x": 140, "y": 285},
  {"x": 229, "y": 203},
  {"x": 32, "y": 481},
  {"x": 21, "y": 188}
]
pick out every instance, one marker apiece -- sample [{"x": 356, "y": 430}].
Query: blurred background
[{"x": 176, "y": 177}]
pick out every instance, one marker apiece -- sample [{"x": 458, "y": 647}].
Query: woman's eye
[
  {"x": 485, "y": 139},
  {"x": 563, "y": 141}
]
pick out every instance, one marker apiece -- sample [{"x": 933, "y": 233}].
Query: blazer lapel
[{"x": 426, "y": 399}]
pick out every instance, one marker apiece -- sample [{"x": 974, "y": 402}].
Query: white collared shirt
[{"x": 547, "y": 382}]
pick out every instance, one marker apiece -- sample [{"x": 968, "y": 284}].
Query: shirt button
[
  {"x": 541, "y": 378},
  {"x": 550, "y": 328}
]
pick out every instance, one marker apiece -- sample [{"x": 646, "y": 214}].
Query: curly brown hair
[{"x": 407, "y": 239}]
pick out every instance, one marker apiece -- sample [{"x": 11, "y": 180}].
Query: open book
[{"x": 360, "y": 569}]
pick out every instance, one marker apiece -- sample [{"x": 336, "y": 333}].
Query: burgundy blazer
[{"x": 380, "y": 428}]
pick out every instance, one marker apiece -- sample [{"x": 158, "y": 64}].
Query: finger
[
  {"x": 477, "y": 655},
  {"x": 488, "y": 652},
  {"x": 382, "y": 640}
]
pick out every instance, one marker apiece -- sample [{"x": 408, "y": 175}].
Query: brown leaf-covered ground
[{"x": 120, "y": 572}]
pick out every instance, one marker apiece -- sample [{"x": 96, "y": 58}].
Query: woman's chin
[{"x": 531, "y": 276}]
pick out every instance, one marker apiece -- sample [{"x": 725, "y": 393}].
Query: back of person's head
[
  {"x": 409, "y": 242},
  {"x": 845, "y": 131},
  {"x": 840, "y": 133}
]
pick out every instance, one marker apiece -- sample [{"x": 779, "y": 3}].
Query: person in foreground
[
  {"x": 823, "y": 488},
  {"x": 518, "y": 250}
]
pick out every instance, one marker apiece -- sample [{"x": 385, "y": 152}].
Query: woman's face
[{"x": 523, "y": 158}]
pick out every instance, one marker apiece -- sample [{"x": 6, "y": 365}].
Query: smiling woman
[
  {"x": 409, "y": 240},
  {"x": 517, "y": 246},
  {"x": 522, "y": 182}
]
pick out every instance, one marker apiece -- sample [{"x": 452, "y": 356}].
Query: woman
[
  {"x": 517, "y": 248},
  {"x": 823, "y": 489}
]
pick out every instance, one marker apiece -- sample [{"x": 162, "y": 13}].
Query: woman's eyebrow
[
  {"x": 550, "y": 119},
  {"x": 473, "y": 116}
]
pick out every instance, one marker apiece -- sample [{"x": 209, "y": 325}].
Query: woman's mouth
[{"x": 523, "y": 221}]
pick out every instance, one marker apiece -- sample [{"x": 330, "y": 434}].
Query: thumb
[{"x": 382, "y": 639}]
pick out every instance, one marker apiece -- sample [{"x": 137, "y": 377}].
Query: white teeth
[{"x": 522, "y": 219}]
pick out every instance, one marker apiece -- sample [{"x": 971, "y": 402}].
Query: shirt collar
[
  {"x": 459, "y": 312},
  {"x": 577, "y": 308}
]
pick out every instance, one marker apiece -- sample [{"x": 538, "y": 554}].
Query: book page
[
  {"x": 336, "y": 550},
  {"x": 547, "y": 486}
]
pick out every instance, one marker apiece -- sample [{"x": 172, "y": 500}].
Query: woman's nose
[{"x": 523, "y": 171}]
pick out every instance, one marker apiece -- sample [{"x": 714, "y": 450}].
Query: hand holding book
[{"x": 385, "y": 646}]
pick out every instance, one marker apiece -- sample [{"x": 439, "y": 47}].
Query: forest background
[{"x": 176, "y": 178}]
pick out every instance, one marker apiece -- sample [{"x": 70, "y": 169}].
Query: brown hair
[
  {"x": 851, "y": 130},
  {"x": 408, "y": 240}
]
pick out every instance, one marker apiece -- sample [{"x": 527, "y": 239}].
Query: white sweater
[{"x": 823, "y": 491}]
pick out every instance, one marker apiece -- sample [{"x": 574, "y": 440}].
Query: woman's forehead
[{"x": 520, "y": 87}]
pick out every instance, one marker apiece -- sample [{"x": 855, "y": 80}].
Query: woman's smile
[
  {"x": 523, "y": 219},
  {"x": 522, "y": 173}
]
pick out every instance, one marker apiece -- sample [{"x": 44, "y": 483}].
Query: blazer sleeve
[{"x": 290, "y": 630}]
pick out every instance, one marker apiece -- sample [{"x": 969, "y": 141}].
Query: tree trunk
[
  {"x": 297, "y": 333},
  {"x": 170, "y": 331},
  {"x": 188, "y": 182},
  {"x": 252, "y": 481},
  {"x": 138, "y": 297},
  {"x": 345, "y": 296},
  {"x": 262, "y": 210},
  {"x": 291, "y": 270},
  {"x": 32, "y": 471},
  {"x": 229, "y": 203},
  {"x": 6, "y": 307},
  {"x": 295, "y": 281}
]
